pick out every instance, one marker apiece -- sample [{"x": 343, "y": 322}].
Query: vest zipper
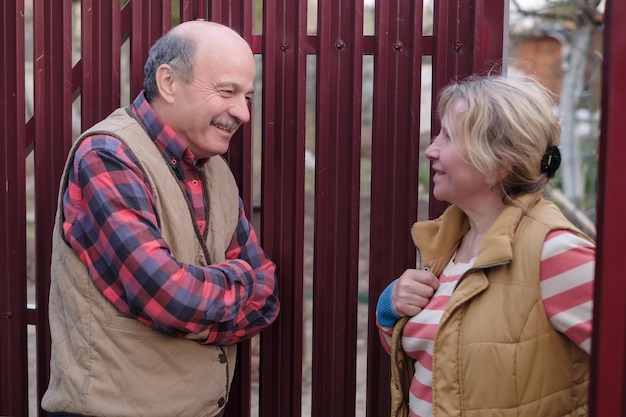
[{"x": 418, "y": 253}]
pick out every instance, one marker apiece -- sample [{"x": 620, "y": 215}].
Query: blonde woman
[{"x": 498, "y": 314}]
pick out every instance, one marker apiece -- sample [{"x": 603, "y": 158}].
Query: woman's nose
[{"x": 431, "y": 151}]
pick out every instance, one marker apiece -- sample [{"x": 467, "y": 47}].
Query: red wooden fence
[
  {"x": 467, "y": 38},
  {"x": 608, "y": 359}
]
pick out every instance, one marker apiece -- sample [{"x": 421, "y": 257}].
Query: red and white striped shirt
[{"x": 566, "y": 281}]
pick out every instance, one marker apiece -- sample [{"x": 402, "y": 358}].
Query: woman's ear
[
  {"x": 497, "y": 177},
  {"x": 501, "y": 174},
  {"x": 166, "y": 81}
]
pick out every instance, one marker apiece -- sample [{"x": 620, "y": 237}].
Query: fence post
[
  {"x": 13, "y": 341},
  {"x": 608, "y": 364}
]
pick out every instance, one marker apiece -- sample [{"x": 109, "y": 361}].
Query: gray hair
[{"x": 172, "y": 49}]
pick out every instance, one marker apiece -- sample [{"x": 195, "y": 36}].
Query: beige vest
[
  {"x": 107, "y": 364},
  {"x": 495, "y": 352}
]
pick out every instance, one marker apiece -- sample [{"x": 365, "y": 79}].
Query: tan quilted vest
[
  {"x": 107, "y": 364},
  {"x": 495, "y": 352}
]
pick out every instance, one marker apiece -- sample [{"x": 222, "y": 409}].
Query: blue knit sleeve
[{"x": 385, "y": 313}]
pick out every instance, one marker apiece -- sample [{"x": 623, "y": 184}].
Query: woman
[{"x": 500, "y": 307}]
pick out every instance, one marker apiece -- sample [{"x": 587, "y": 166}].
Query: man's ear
[{"x": 165, "y": 81}]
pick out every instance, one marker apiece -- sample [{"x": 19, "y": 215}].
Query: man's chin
[
  {"x": 219, "y": 146},
  {"x": 209, "y": 153}
]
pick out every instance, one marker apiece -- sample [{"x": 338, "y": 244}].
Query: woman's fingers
[{"x": 413, "y": 291}]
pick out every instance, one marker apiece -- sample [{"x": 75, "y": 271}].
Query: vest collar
[{"x": 436, "y": 240}]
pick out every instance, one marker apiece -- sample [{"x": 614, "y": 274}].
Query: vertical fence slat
[
  {"x": 53, "y": 138},
  {"x": 13, "y": 341},
  {"x": 491, "y": 18},
  {"x": 238, "y": 16},
  {"x": 448, "y": 63},
  {"x": 201, "y": 10},
  {"x": 187, "y": 11},
  {"x": 395, "y": 151},
  {"x": 337, "y": 200},
  {"x": 468, "y": 39},
  {"x": 100, "y": 52},
  {"x": 150, "y": 20},
  {"x": 217, "y": 13},
  {"x": 282, "y": 200},
  {"x": 608, "y": 361}
]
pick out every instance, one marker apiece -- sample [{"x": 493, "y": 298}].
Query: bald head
[
  {"x": 200, "y": 82},
  {"x": 178, "y": 48},
  {"x": 199, "y": 29}
]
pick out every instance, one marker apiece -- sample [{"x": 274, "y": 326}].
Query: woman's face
[{"x": 455, "y": 180}]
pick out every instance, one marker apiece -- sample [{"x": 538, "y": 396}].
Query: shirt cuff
[{"x": 385, "y": 313}]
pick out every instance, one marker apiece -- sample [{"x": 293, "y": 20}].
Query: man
[{"x": 156, "y": 271}]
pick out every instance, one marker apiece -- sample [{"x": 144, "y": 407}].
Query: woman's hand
[{"x": 412, "y": 291}]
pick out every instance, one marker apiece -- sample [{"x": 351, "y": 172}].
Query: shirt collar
[{"x": 169, "y": 143}]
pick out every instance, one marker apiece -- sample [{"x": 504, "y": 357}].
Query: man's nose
[{"x": 240, "y": 110}]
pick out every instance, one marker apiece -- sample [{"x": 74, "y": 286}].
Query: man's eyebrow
[
  {"x": 225, "y": 84},
  {"x": 232, "y": 85}
]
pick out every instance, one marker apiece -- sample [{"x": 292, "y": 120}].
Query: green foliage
[{"x": 175, "y": 12}]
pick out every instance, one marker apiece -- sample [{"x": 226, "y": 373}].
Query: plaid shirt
[{"x": 110, "y": 222}]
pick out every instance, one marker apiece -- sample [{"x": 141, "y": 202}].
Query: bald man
[{"x": 157, "y": 273}]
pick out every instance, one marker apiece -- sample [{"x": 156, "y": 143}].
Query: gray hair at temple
[{"x": 171, "y": 49}]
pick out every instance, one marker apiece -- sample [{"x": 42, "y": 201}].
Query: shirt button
[
  {"x": 194, "y": 182},
  {"x": 222, "y": 358},
  {"x": 221, "y": 402},
  {"x": 173, "y": 161}
]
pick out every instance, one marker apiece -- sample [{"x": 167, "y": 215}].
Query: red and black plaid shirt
[{"x": 110, "y": 222}]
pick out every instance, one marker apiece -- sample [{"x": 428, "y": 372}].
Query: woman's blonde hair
[{"x": 509, "y": 124}]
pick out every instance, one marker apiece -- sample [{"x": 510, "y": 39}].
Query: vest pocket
[{"x": 128, "y": 323}]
